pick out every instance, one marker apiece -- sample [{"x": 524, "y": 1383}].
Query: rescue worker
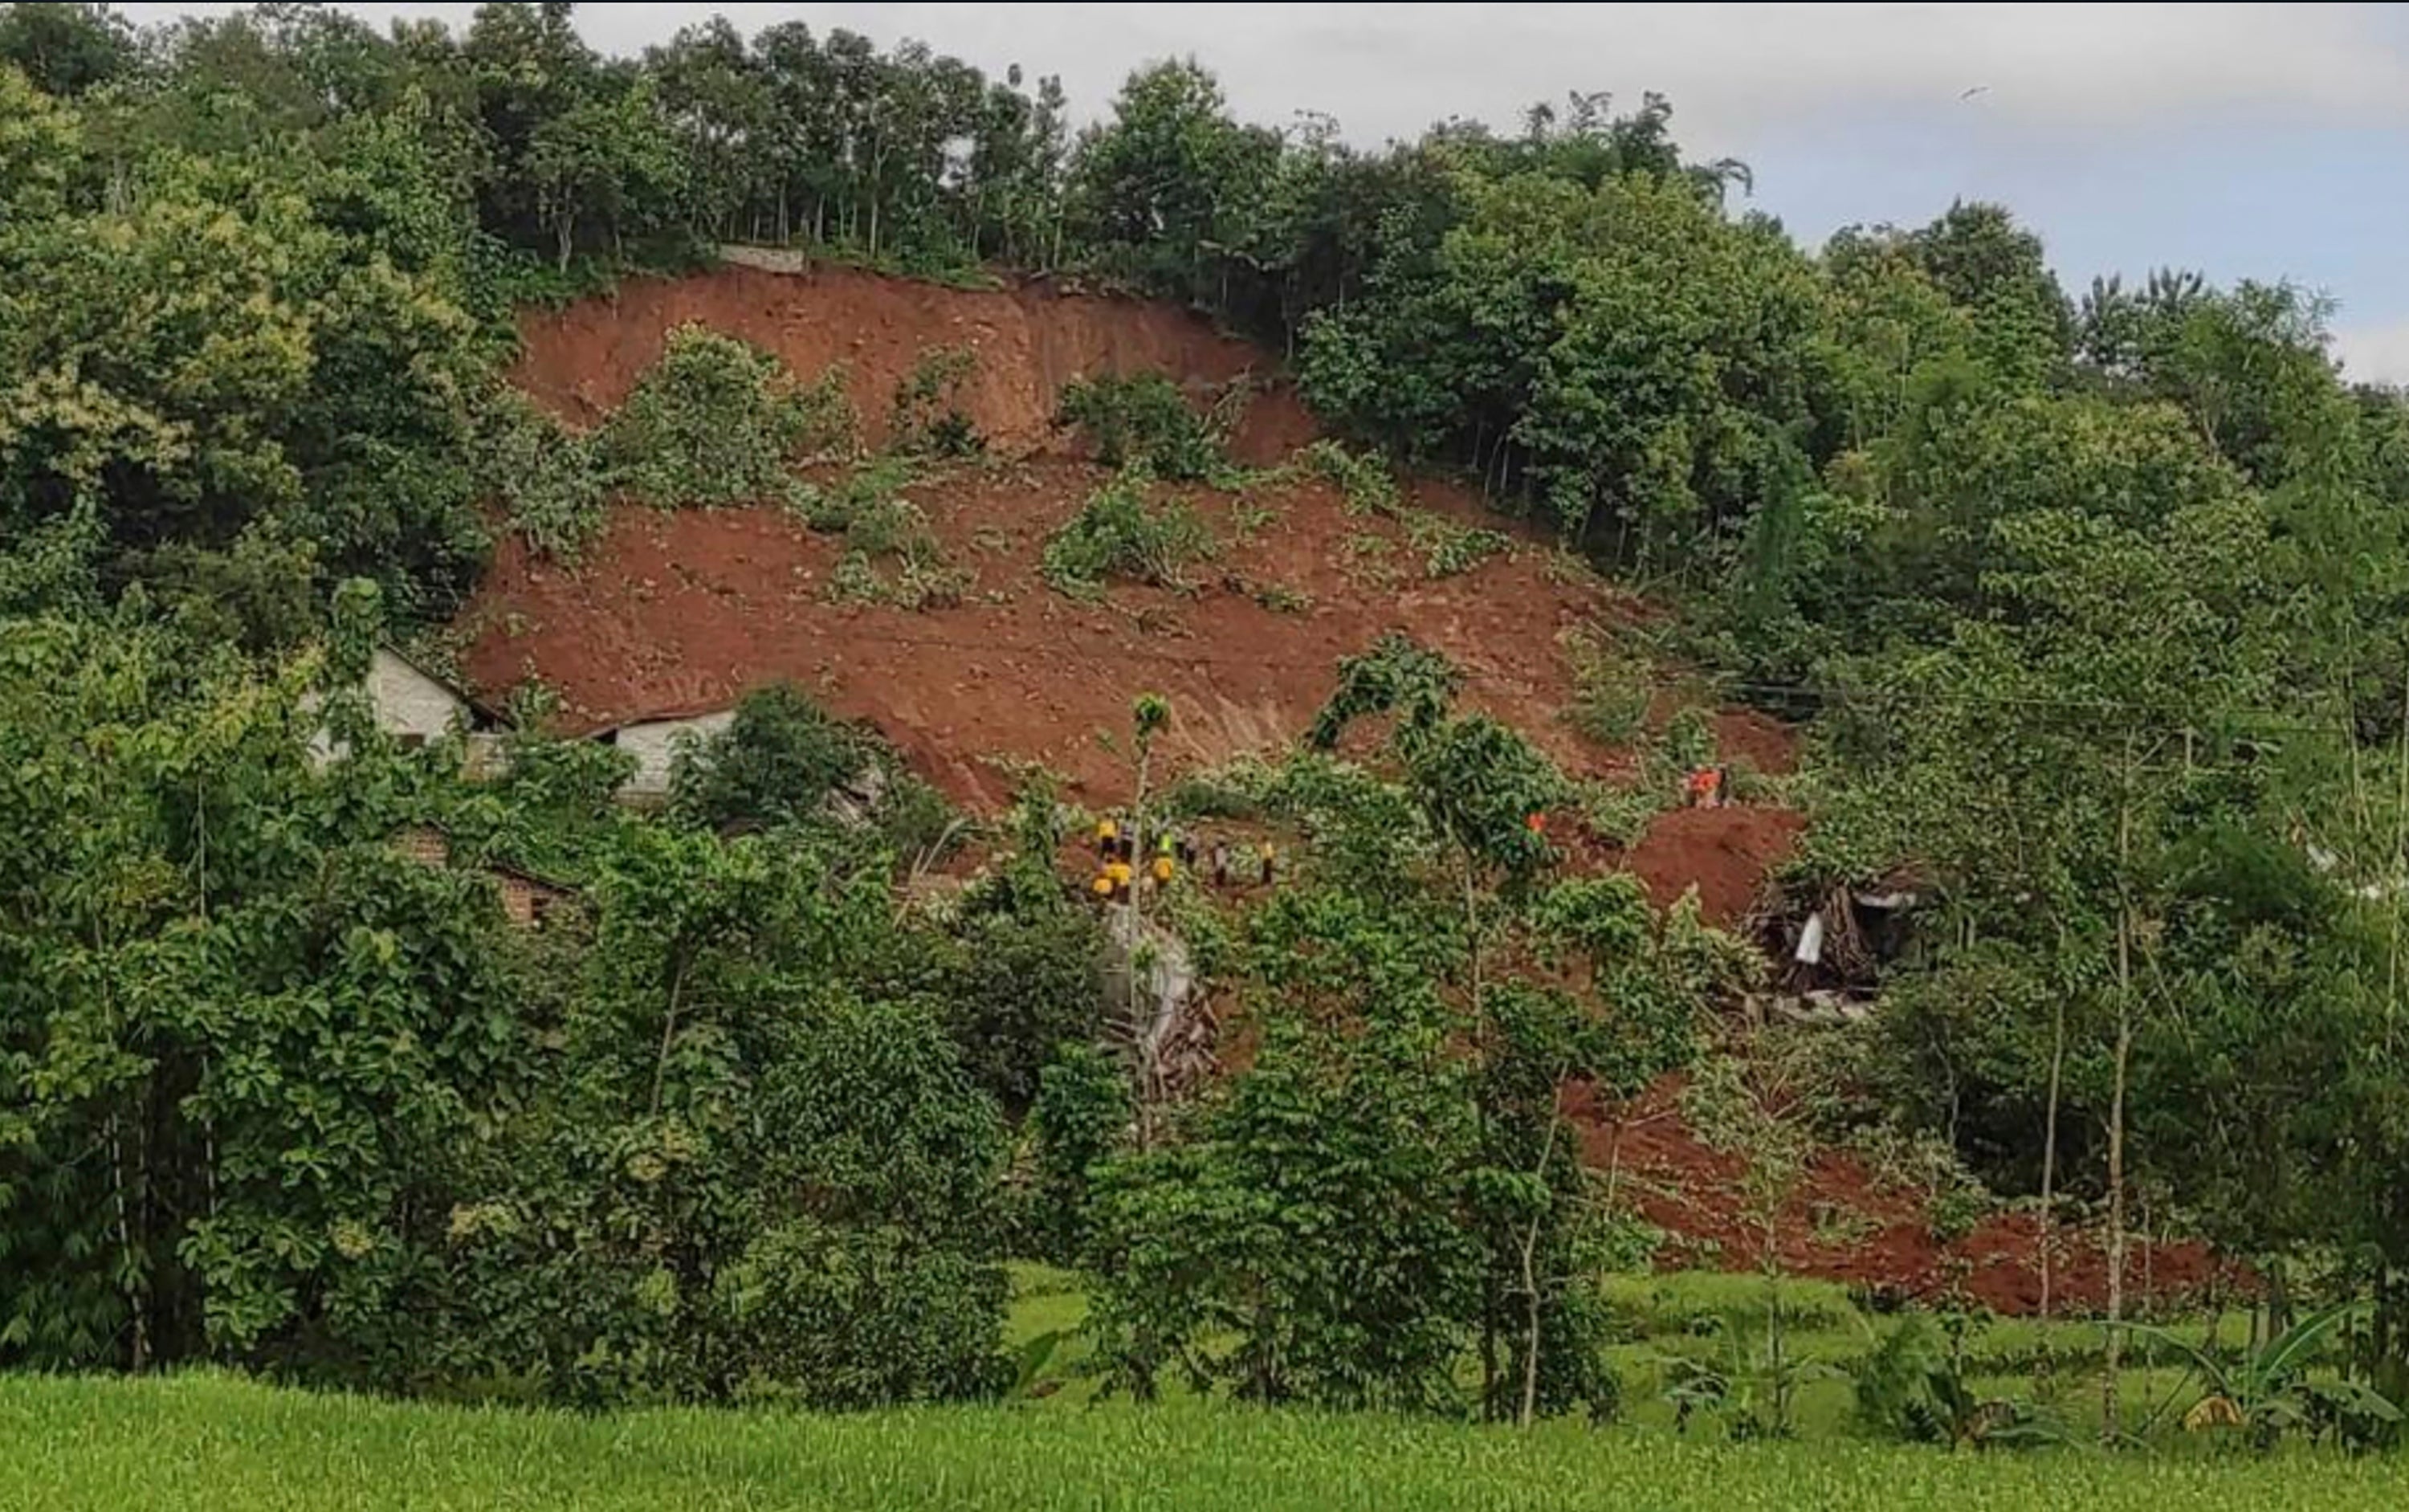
[
  {"x": 1267, "y": 863},
  {"x": 1220, "y": 863},
  {"x": 1120, "y": 874},
  {"x": 1703, "y": 786},
  {"x": 1108, "y": 834}
]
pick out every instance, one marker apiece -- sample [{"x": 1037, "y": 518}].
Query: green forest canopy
[{"x": 2100, "y": 603}]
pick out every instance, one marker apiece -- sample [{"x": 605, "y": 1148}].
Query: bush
[
  {"x": 1117, "y": 533},
  {"x": 1611, "y": 692},
  {"x": 1026, "y": 979},
  {"x": 1144, "y": 419},
  {"x": 544, "y": 475},
  {"x": 717, "y": 420},
  {"x": 1077, "y": 1121},
  {"x": 1361, "y": 476},
  {"x": 786, "y": 760},
  {"x": 832, "y": 1317},
  {"x": 1449, "y": 549},
  {"x": 880, "y": 525},
  {"x": 928, "y": 419}
]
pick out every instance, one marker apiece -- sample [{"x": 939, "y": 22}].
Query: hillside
[{"x": 676, "y": 611}]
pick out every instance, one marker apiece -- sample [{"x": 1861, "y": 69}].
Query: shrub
[
  {"x": 837, "y": 1316},
  {"x": 717, "y": 420},
  {"x": 1117, "y": 533},
  {"x": 1361, "y": 477},
  {"x": 544, "y": 475},
  {"x": 881, "y": 526},
  {"x": 928, "y": 419},
  {"x": 1144, "y": 419},
  {"x": 1611, "y": 691},
  {"x": 1447, "y": 548},
  {"x": 1081, "y": 1112},
  {"x": 787, "y": 760}
]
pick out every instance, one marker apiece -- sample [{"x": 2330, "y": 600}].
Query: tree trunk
[
  {"x": 2049, "y": 1154},
  {"x": 565, "y": 228},
  {"x": 2111, "y": 1358},
  {"x": 668, "y": 1032},
  {"x": 1531, "y": 1307}
]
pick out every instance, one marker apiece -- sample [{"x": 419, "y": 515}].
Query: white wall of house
[
  {"x": 653, "y": 744},
  {"x": 407, "y": 704}
]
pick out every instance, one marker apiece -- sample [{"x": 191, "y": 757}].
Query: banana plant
[{"x": 2267, "y": 1391}]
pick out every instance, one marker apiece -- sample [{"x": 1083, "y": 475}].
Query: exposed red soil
[
  {"x": 1841, "y": 1224},
  {"x": 1030, "y": 341},
  {"x": 1726, "y": 853},
  {"x": 681, "y": 609}
]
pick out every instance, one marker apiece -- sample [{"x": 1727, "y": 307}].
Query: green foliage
[
  {"x": 1909, "y": 1387},
  {"x": 1079, "y": 1122},
  {"x": 1449, "y": 549},
  {"x": 1395, "y": 675},
  {"x": 718, "y": 422},
  {"x": 1119, "y": 533},
  {"x": 547, "y": 477},
  {"x": 1143, "y": 419},
  {"x": 1362, "y": 478},
  {"x": 1613, "y": 691},
  {"x": 2268, "y": 1391},
  {"x": 927, "y": 420},
  {"x": 1023, "y": 980},
  {"x": 785, "y": 760},
  {"x": 1326, "y": 1269}
]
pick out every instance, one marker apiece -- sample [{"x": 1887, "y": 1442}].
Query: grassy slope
[{"x": 205, "y": 1441}]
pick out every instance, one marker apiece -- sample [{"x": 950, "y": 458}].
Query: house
[
  {"x": 416, "y": 706},
  {"x": 655, "y": 743},
  {"x": 528, "y": 899}
]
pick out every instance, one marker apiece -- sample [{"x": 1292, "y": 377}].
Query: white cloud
[
  {"x": 2375, "y": 354},
  {"x": 1735, "y": 71}
]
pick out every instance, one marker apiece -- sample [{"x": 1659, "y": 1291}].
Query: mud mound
[
  {"x": 1724, "y": 853},
  {"x": 1843, "y": 1225},
  {"x": 1030, "y": 341},
  {"x": 681, "y": 609}
]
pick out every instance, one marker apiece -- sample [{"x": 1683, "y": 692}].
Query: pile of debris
[{"x": 1830, "y": 949}]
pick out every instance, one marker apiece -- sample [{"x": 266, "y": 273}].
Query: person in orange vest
[{"x": 1705, "y": 787}]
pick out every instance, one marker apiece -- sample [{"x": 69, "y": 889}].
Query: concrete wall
[
  {"x": 408, "y": 705},
  {"x": 653, "y": 744}
]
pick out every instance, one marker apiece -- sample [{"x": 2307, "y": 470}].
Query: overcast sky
[{"x": 2246, "y": 141}]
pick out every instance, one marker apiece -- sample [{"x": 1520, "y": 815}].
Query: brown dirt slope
[
  {"x": 1030, "y": 341},
  {"x": 1842, "y": 1223},
  {"x": 684, "y": 610}
]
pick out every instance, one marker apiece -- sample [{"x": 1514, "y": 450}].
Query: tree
[{"x": 67, "y": 50}]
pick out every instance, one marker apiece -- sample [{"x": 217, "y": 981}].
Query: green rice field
[{"x": 205, "y": 1441}]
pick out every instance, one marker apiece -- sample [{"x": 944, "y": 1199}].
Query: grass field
[
  {"x": 213, "y": 1442},
  {"x": 1688, "y": 1312}
]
